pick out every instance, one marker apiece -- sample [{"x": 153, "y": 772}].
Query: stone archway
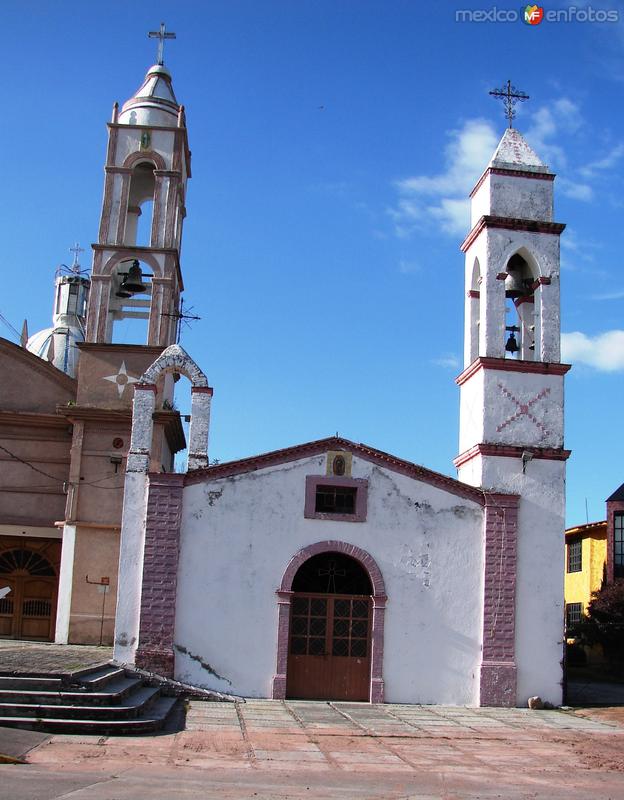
[{"x": 285, "y": 595}]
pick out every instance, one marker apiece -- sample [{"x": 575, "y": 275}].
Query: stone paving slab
[
  {"x": 295, "y": 749},
  {"x": 36, "y": 657}
]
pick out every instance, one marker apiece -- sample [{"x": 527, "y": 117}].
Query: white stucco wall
[
  {"x": 239, "y": 533},
  {"x": 539, "y": 583},
  {"x": 515, "y": 408}
]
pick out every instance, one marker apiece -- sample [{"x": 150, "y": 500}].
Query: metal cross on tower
[
  {"x": 161, "y": 35},
  {"x": 510, "y": 96},
  {"x": 76, "y": 250}
]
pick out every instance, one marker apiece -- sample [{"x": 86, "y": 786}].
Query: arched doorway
[
  {"x": 330, "y": 631},
  {"x": 28, "y": 610}
]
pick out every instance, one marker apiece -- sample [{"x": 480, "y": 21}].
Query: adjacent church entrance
[
  {"x": 28, "y": 609},
  {"x": 329, "y": 649}
]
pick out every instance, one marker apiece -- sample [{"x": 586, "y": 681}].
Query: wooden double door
[
  {"x": 329, "y": 652},
  {"x": 28, "y": 609}
]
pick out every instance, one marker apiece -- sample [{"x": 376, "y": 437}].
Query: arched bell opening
[
  {"x": 139, "y": 215},
  {"x": 130, "y": 302},
  {"x": 473, "y": 316},
  {"x": 522, "y": 321}
]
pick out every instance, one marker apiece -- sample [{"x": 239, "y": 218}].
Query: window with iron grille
[
  {"x": 575, "y": 555},
  {"x": 335, "y": 499},
  {"x": 573, "y": 614},
  {"x": 618, "y": 545}
]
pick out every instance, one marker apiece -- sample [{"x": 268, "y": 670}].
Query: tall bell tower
[
  {"x": 512, "y": 401},
  {"x": 136, "y": 281},
  {"x": 148, "y": 163}
]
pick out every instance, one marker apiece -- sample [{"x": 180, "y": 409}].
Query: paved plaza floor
[{"x": 265, "y": 749}]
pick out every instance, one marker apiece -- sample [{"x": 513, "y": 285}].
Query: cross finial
[
  {"x": 510, "y": 96},
  {"x": 76, "y": 249},
  {"x": 161, "y": 35}
]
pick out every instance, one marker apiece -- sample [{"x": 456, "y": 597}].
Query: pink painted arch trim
[
  {"x": 284, "y": 595},
  {"x": 330, "y": 546}
]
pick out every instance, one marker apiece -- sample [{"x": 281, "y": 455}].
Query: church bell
[
  {"x": 133, "y": 282},
  {"x": 512, "y": 345},
  {"x": 514, "y": 284}
]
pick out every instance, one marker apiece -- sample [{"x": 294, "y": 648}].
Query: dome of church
[
  {"x": 57, "y": 346},
  {"x": 154, "y": 103}
]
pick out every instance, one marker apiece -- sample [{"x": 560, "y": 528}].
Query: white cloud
[
  {"x": 604, "y": 352},
  {"x": 442, "y": 198},
  {"x": 448, "y": 360},
  {"x": 562, "y": 116},
  {"x": 575, "y": 190},
  {"x": 408, "y": 267},
  {"x": 466, "y": 155},
  {"x": 609, "y": 296},
  {"x": 606, "y": 162}
]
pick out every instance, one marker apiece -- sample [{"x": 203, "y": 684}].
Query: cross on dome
[
  {"x": 161, "y": 35},
  {"x": 76, "y": 250}
]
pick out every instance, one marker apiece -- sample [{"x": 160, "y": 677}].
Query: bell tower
[
  {"x": 136, "y": 280},
  {"x": 512, "y": 401},
  {"x": 147, "y": 168}
]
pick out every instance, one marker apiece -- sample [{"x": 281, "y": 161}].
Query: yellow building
[{"x": 585, "y": 559}]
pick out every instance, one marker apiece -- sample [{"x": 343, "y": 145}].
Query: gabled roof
[
  {"x": 319, "y": 446},
  {"x": 513, "y": 152},
  {"x": 38, "y": 365},
  {"x": 618, "y": 495}
]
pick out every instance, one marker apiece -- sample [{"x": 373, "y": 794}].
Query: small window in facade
[
  {"x": 618, "y": 545},
  {"x": 573, "y": 614},
  {"x": 575, "y": 556},
  {"x": 335, "y": 499}
]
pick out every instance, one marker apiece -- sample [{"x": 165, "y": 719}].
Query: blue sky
[{"x": 330, "y": 285}]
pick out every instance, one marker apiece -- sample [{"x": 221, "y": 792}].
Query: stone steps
[{"x": 104, "y": 700}]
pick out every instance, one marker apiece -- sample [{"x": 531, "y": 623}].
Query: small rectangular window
[
  {"x": 335, "y": 499},
  {"x": 618, "y": 545},
  {"x": 575, "y": 555},
  {"x": 573, "y": 614}
]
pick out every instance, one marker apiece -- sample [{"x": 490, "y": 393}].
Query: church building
[{"x": 330, "y": 569}]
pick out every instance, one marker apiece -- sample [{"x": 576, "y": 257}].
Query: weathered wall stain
[{"x": 203, "y": 664}]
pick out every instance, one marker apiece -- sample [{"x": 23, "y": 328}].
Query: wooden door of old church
[
  {"x": 28, "y": 609},
  {"x": 329, "y": 649}
]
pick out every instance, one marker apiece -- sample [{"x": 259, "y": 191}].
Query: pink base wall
[
  {"x": 498, "y": 667},
  {"x": 160, "y": 569}
]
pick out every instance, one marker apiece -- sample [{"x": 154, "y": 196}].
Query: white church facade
[
  {"x": 329, "y": 569},
  {"x": 334, "y": 570}
]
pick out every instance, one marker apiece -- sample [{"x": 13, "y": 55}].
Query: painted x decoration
[{"x": 524, "y": 409}]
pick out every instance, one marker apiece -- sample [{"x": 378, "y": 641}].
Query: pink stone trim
[
  {"x": 511, "y": 224},
  {"x": 285, "y": 593},
  {"x": 510, "y": 451},
  {"x": 498, "y": 667},
  {"x": 202, "y": 390},
  {"x": 141, "y": 156},
  {"x": 160, "y": 573},
  {"x": 511, "y": 365},
  {"x": 513, "y": 173},
  {"x": 146, "y": 387},
  {"x": 612, "y": 507},
  {"x": 321, "y": 446},
  {"x": 361, "y": 497}
]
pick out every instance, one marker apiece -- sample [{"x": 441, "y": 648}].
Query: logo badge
[{"x": 533, "y": 15}]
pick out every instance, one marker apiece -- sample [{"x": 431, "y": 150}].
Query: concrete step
[
  {"x": 116, "y": 691},
  {"x": 129, "y": 707},
  {"x": 154, "y": 718},
  {"x": 29, "y": 682},
  {"x": 98, "y": 679}
]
